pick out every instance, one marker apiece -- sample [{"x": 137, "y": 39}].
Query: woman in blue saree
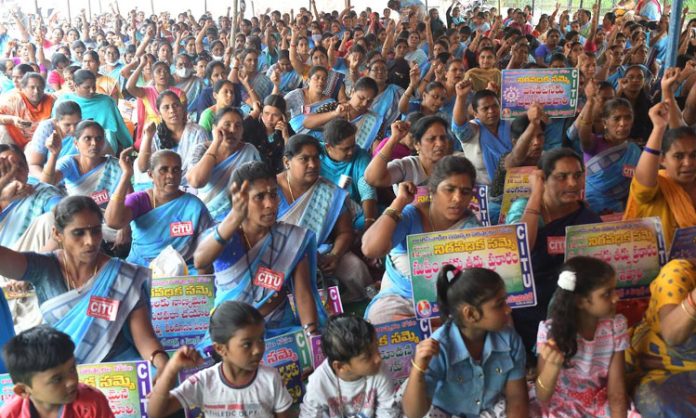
[
  {"x": 101, "y": 302},
  {"x": 305, "y": 101},
  {"x": 161, "y": 216},
  {"x": 100, "y": 108},
  {"x": 611, "y": 157},
  {"x": 386, "y": 103},
  {"x": 284, "y": 78},
  {"x": 255, "y": 85},
  {"x": 357, "y": 110},
  {"x": 313, "y": 202},
  {"x": 451, "y": 186},
  {"x": 260, "y": 261},
  {"x": 214, "y": 164}
]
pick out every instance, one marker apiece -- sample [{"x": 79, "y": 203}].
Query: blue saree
[
  {"x": 608, "y": 177},
  {"x": 178, "y": 223},
  {"x": 386, "y": 104},
  {"x": 299, "y": 111},
  {"x": 94, "y": 337},
  {"x": 369, "y": 125},
  {"x": 16, "y": 218},
  {"x": 99, "y": 183}
]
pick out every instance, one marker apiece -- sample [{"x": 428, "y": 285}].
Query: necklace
[
  {"x": 71, "y": 284},
  {"x": 292, "y": 195}
]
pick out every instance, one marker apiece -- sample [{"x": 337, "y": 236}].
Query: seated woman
[
  {"x": 284, "y": 78},
  {"x": 669, "y": 193},
  {"x": 357, "y": 111},
  {"x": 223, "y": 93},
  {"x": 161, "y": 216},
  {"x": 432, "y": 143},
  {"x": 255, "y": 85},
  {"x": 261, "y": 261},
  {"x": 77, "y": 284},
  {"x": 146, "y": 105},
  {"x": 25, "y": 221},
  {"x": 214, "y": 72},
  {"x": 334, "y": 87},
  {"x": 386, "y": 103},
  {"x": 451, "y": 187},
  {"x": 486, "y": 73},
  {"x": 663, "y": 345},
  {"x": 269, "y": 131},
  {"x": 311, "y": 99},
  {"x": 174, "y": 132},
  {"x": 100, "y": 108},
  {"x": 310, "y": 201},
  {"x": 185, "y": 79},
  {"x": 22, "y": 109},
  {"x": 610, "y": 158},
  {"x": 342, "y": 158},
  {"x": 103, "y": 83},
  {"x": 67, "y": 116},
  {"x": 555, "y": 203},
  {"x": 214, "y": 164}
]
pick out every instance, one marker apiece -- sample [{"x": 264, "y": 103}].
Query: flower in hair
[{"x": 567, "y": 280}]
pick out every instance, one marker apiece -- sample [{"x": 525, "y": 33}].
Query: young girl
[
  {"x": 223, "y": 93},
  {"x": 238, "y": 383},
  {"x": 581, "y": 363},
  {"x": 474, "y": 365}
]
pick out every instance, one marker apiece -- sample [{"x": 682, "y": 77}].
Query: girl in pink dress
[{"x": 581, "y": 347}]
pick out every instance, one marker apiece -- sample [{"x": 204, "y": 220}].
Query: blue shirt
[{"x": 459, "y": 385}]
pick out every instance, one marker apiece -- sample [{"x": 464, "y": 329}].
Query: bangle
[
  {"x": 383, "y": 157},
  {"x": 218, "y": 237},
  {"x": 692, "y": 316},
  {"x": 369, "y": 220},
  {"x": 117, "y": 197},
  {"x": 155, "y": 353},
  {"x": 393, "y": 213},
  {"x": 532, "y": 211},
  {"x": 417, "y": 367},
  {"x": 583, "y": 122},
  {"x": 541, "y": 385},
  {"x": 652, "y": 151},
  {"x": 210, "y": 154}
]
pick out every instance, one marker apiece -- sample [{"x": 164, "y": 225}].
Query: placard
[
  {"x": 635, "y": 248},
  {"x": 181, "y": 309},
  {"x": 502, "y": 248},
  {"x": 683, "y": 244},
  {"x": 516, "y": 187},
  {"x": 556, "y": 89},
  {"x": 397, "y": 344},
  {"x": 330, "y": 298},
  {"x": 317, "y": 353},
  {"x": 6, "y": 389},
  {"x": 125, "y": 385},
  {"x": 290, "y": 354}
]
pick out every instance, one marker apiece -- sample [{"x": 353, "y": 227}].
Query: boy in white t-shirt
[{"x": 350, "y": 382}]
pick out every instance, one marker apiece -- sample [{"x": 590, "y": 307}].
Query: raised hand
[
  {"x": 551, "y": 354},
  {"x": 407, "y": 192},
  {"x": 399, "y": 129},
  {"x": 669, "y": 79},
  {"x": 425, "y": 351},
  {"x": 125, "y": 161},
  {"x": 186, "y": 357},
  {"x": 659, "y": 114},
  {"x": 240, "y": 201},
  {"x": 463, "y": 88},
  {"x": 536, "y": 181},
  {"x": 54, "y": 143}
]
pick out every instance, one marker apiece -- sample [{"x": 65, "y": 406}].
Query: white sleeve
[
  {"x": 387, "y": 405},
  {"x": 190, "y": 392},
  {"x": 311, "y": 406},
  {"x": 283, "y": 400}
]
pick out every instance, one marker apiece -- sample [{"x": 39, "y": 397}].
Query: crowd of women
[{"x": 305, "y": 149}]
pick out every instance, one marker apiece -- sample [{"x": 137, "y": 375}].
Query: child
[
  {"x": 237, "y": 384},
  {"x": 474, "y": 365},
  {"x": 350, "y": 381},
  {"x": 581, "y": 363},
  {"x": 41, "y": 364}
]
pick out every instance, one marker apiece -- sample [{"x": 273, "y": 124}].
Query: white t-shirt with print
[{"x": 217, "y": 398}]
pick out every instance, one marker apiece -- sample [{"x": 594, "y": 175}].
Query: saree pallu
[
  {"x": 289, "y": 80},
  {"x": 215, "y": 194},
  {"x": 99, "y": 183},
  {"x": 280, "y": 251},
  {"x": 70, "y": 312},
  {"x": 609, "y": 176},
  {"x": 386, "y": 104},
  {"x": 16, "y": 218},
  {"x": 494, "y": 147},
  {"x": 334, "y": 82},
  {"x": 299, "y": 111},
  {"x": 192, "y": 88},
  {"x": 369, "y": 125},
  {"x": 262, "y": 85},
  {"x": 103, "y": 109},
  {"x": 317, "y": 209},
  {"x": 178, "y": 223}
]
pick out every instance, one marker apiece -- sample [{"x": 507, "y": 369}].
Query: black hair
[
  {"x": 36, "y": 76},
  {"x": 59, "y": 58},
  {"x": 423, "y": 124},
  {"x": 590, "y": 274},
  {"x": 277, "y": 101},
  {"x": 81, "y": 76},
  {"x": 473, "y": 286},
  {"x": 559, "y": 57},
  {"x": 450, "y": 165},
  {"x": 68, "y": 207},
  {"x": 480, "y": 95},
  {"x": 317, "y": 68},
  {"x": 672, "y": 135},
  {"x": 158, "y": 155},
  {"x": 366, "y": 83},
  {"x": 225, "y": 110},
  {"x": 92, "y": 54},
  {"x": 86, "y": 124},
  {"x": 548, "y": 159},
  {"x": 519, "y": 125},
  {"x": 17, "y": 151},
  {"x": 36, "y": 350},
  {"x": 220, "y": 84},
  {"x": 613, "y": 104},
  {"x": 252, "y": 171},
  {"x": 346, "y": 336},
  {"x": 432, "y": 86},
  {"x": 338, "y": 130},
  {"x": 228, "y": 318},
  {"x": 211, "y": 66},
  {"x": 67, "y": 108},
  {"x": 297, "y": 142}
]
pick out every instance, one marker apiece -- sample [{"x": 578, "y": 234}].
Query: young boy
[
  {"x": 42, "y": 367},
  {"x": 350, "y": 381}
]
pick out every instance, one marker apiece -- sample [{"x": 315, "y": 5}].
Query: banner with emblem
[
  {"x": 683, "y": 244},
  {"x": 556, "y": 89},
  {"x": 502, "y": 248}
]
